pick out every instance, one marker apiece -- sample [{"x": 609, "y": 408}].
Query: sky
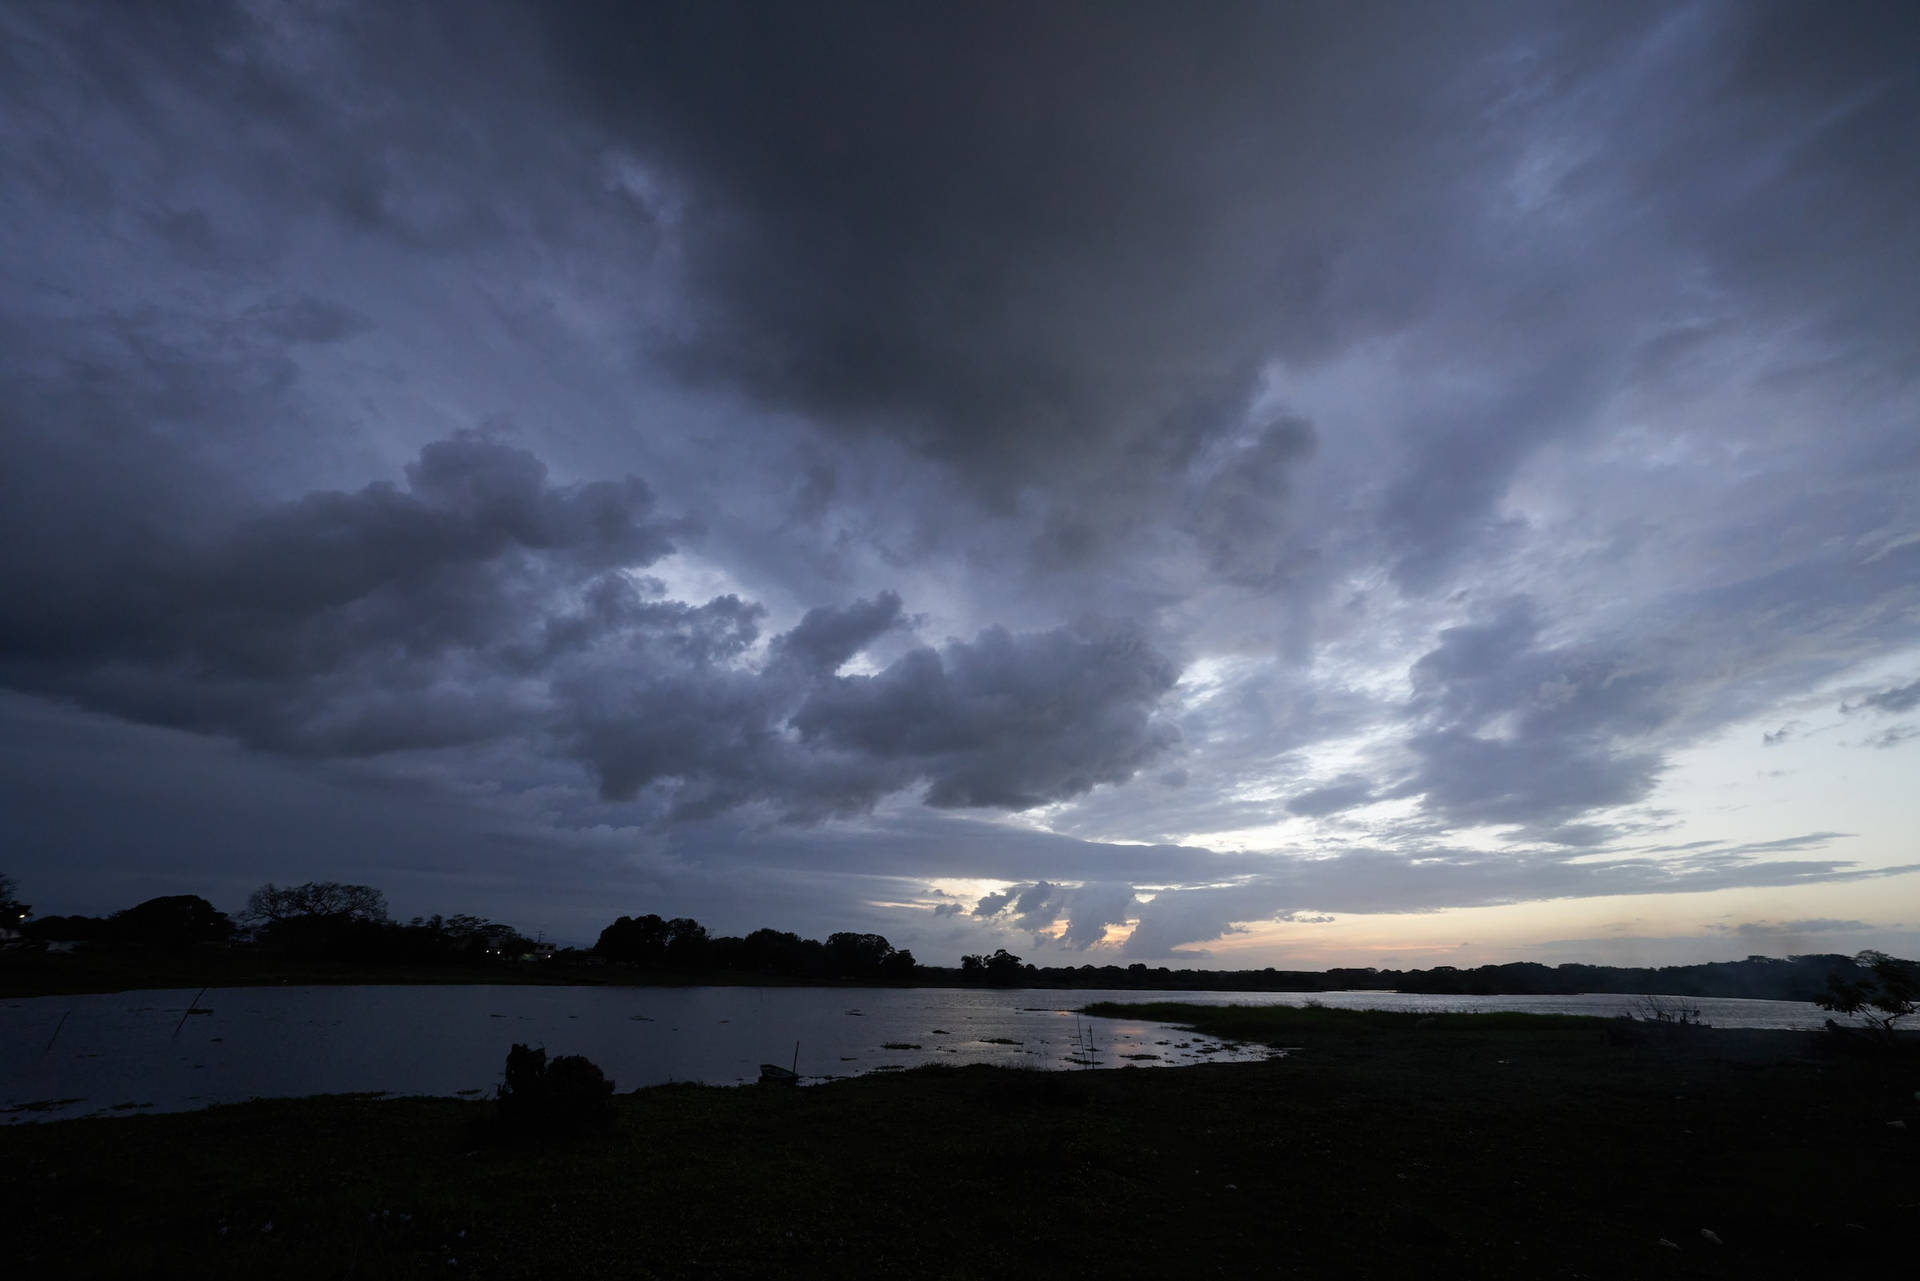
[{"x": 1231, "y": 485}]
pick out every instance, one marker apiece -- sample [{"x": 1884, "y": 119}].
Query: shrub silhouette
[{"x": 565, "y": 1096}]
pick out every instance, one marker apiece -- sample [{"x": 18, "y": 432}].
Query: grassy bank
[{"x": 1487, "y": 1146}]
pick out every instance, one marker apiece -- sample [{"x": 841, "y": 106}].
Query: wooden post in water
[
  {"x": 795, "y": 1069},
  {"x": 183, "y": 1014},
  {"x": 56, "y": 1032}
]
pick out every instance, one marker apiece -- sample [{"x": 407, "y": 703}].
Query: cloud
[
  {"x": 1779, "y": 845},
  {"x": 337, "y": 623},
  {"x": 1467, "y": 420},
  {"x": 1004, "y": 720},
  {"x": 482, "y": 601},
  {"x": 1088, "y": 909},
  {"x": 1808, "y": 925},
  {"x": 1277, "y": 887},
  {"x": 1515, "y": 732},
  {"x": 1377, "y": 881},
  {"x": 1239, "y": 511},
  {"x": 1895, "y": 736},
  {"x": 826, "y": 638},
  {"x": 307, "y": 320},
  {"x": 1018, "y": 256},
  {"x": 1900, "y": 698},
  {"x": 1317, "y": 802}
]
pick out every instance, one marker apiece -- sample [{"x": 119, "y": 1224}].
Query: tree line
[
  {"x": 326, "y": 920},
  {"x": 1793, "y": 978},
  {"x": 332, "y": 921},
  {"x": 320, "y": 920},
  {"x": 683, "y": 946}
]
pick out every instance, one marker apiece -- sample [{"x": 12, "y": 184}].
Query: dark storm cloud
[
  {"x": 827, "y": 638},
  {"x": 336, "y": 623},
  {"x": 1239, "y": 508},
  {"x": 1007, "y": 721},
  {"x": 382, "y": 620},
  {"x": 1004, "y": 721},
  {"x": 1301, "y": 336},
  {"x": 1516, "y": 732},
  {"x": 1050, "y": 245}
]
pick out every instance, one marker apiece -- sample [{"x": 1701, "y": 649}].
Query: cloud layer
[{"x": 1417, "y": 449}]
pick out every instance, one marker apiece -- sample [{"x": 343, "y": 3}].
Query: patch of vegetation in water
[{"x": 40, "y": 1105}]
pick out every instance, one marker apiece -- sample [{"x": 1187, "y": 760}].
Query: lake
[{"x": 127, "y": 1052}]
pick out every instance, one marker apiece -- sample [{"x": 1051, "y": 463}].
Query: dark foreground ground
[{"x": 1387, "y": 1146}]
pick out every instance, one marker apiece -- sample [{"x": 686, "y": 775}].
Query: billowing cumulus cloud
[
  {"x": 338, "y": 623},
  {"x": 481, "y": 601},
  {"x": 1005, "y": 722},
  {"x": 1087, "y": 910}
]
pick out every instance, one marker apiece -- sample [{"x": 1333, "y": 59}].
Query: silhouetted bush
[{"x": 566, "y": 1096}]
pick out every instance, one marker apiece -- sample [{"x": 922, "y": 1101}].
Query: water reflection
[
  {"x": 161, "y": 1050},
  {"x": 76, "y": 1056}
]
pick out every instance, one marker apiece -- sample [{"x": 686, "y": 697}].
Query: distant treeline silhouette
[
  {"x": 321, "y": 920},
  {"x": 1794, "y": 978},
  {"x": 333, "y": 922},
  {"x": 683, "y": 946}
]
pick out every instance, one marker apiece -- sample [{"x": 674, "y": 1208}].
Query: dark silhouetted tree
[
  {"x": 72, "y": 929},
  {"x": 688, "y": 948},
  {"x": 635, "y": 940},
  {"x": 1003, "y": 968},
  {"x": 12, "y": 910},
  {"x": 175, "y": 922},
  {"x": 321, "y": 919},
  {"x": 1886, "y": 993},
  {"x": 782, "y": 952},
  {"x": 271, "y": 903},
  {"x": 858, "y": 956}
]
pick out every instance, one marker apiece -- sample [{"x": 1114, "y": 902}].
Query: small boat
[{"x": 774, "y": 1074}]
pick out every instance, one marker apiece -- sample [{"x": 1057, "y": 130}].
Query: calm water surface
[{"x": 63, "y": 1056}]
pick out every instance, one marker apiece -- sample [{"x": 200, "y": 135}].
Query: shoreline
[
  {"x": 26, "y": 976},
  {"x": 1483, "y": 1145}
]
